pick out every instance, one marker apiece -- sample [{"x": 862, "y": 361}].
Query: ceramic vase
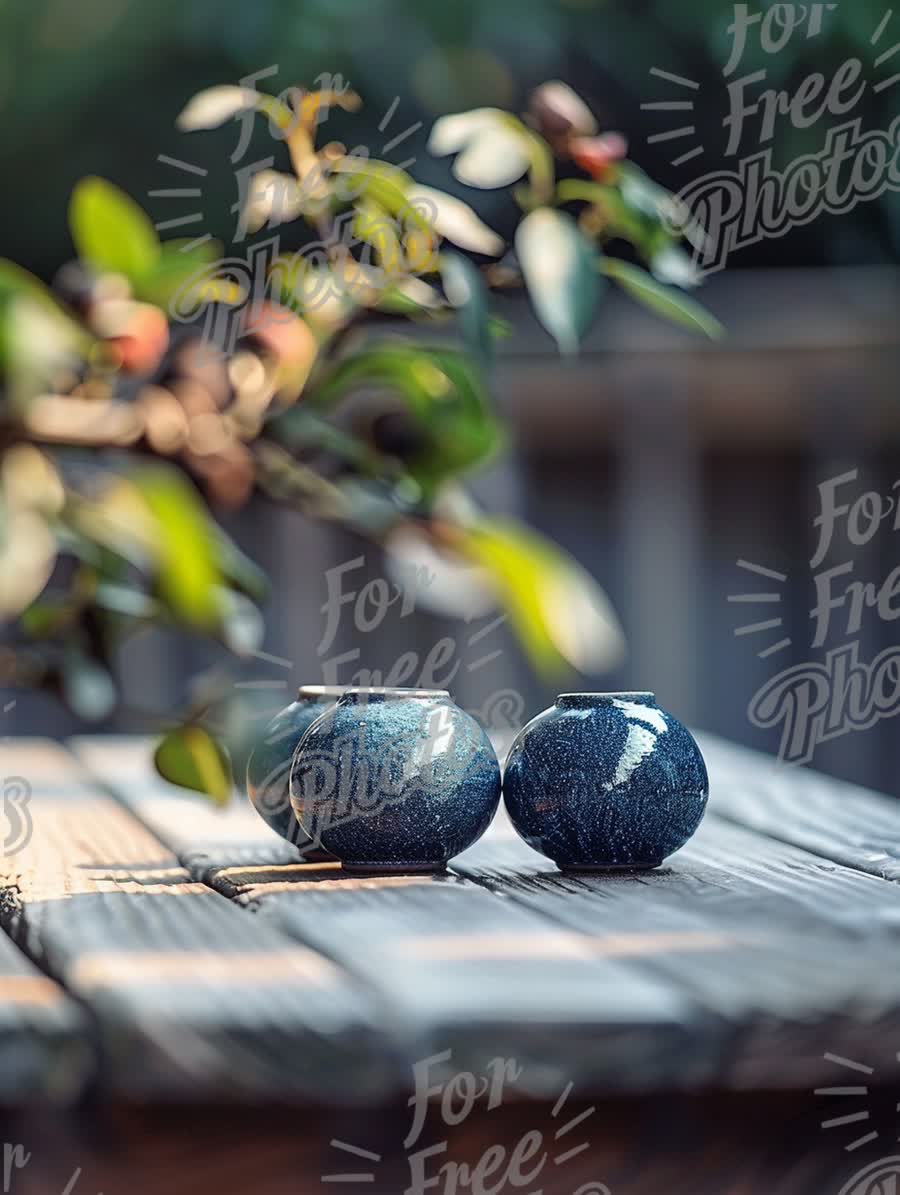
[
  {"x": 269, "y": 767},
  {"x": 395, "y": 780},
  {"x": 605, "y": 780}
]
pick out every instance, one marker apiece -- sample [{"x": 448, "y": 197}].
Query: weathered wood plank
[
  {"x": 457, "y": 968},
  {"x": 827, "y": 817},
  {"x": 741, "y": 964},
  {"x": 191, "y": 996},
  {"x": 45, "y": 1052},
  {"x": 204, "y": 838},
  {"x": 467, "y": 973},
  {"x": 781, "y": 954}
]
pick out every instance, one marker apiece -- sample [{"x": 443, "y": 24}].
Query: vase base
[
  {"x": 316, "y": 856},
  {"x": 602, "y": 868},
  {"x": 394, "y": 868}
]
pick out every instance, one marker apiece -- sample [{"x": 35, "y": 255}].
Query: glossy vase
[
  {"x": 605, "y": 780},
  {"x": 395, "y": 780},
  {"x": 269, "y": 767}
]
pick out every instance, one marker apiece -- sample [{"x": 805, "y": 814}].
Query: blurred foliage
[
  {"x": 94, "y": 87},
  {"x": 157, "y": 380}
]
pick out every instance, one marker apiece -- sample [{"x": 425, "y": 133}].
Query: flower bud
[
  {"x": 558, "y": 113},
  {"x": 597, "y": 154}
]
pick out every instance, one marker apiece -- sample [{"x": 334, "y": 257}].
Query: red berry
[
  {"x": 138, "y": 333},
  {"x": 597, "y": 154}
]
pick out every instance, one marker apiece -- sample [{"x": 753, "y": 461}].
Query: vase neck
[
  {"x": 321, "y": 692},
  {"x": 584, "y": 701},
  {"x": 367, "y": 696}
]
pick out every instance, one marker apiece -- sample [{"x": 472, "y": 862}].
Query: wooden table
[{"x": 186, "y": 1007}]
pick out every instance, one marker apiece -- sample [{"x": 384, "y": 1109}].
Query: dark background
[
  {"x": 95, "y": 87},
  {"x": 658, "y": 461}
]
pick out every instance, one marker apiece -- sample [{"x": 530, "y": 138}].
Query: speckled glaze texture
[
  {"x": 605, "y": 780},
  {"x": 269, "y": 767},
  {"x": 395, "y": 780}
]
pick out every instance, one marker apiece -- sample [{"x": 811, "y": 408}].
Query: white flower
[
  {"x": 212, "y": 107},
  {"x": 493, "y": 152},
  {"x": 455, "y": 220},
  {"x": 273, "y": 198}
]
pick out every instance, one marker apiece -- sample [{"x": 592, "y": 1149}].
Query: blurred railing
[{"x": 660, "y": 461}]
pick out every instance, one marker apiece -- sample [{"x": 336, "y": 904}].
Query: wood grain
[
  {"x": 189, "y": 996},
  {"x": 44, "y": 1054},
  {"x": 827, "y": 817},
  {"x": 455, "y": 967},
  {"x": 781, "y": 955},
  {"x": 739, "y": 965},
  {"x": 204, "y": 838}
]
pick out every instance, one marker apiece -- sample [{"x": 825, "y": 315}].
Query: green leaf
[
  {"x": 125, "y": 602},
  {"x": 21, "y": 291},
  {"x": 619, "y": 220},
  {"x": 87, "y": 687},
  {"x": 374, "y": 226},
  {"x": 442, "y": 389},
  {"x": 542, "y": 171},
  {"x": 640, "y": 191},
  {"x": 241, "y": 573},
  {"x": 409, "y": 296},
  {"x": 382, "y": 184},
  {"x": 557, "y": 264},
  {"x": 191, "y": 758},
  {"x": 186, "y": 551},
  {"x": 242, "y": 624},
  {"x": 664, "y": 300},
  {"x": 174, "y": 269},
  {"x": 36, "y": 345},
  {"x": 371, "y": 508},
  {"x": 27, "y": 557},
  {"x": 562, "y": 617},
  {"x": 499, "y": 328},
  {"x": 110, "y": 231},
  {"x": 15, "y": 282},
  {"x": 466, "y": 292},
  {"x": 638, "y": 223},
  {"x": 46, "y": 617}
]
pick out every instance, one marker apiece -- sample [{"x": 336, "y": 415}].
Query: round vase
[
  {"x": 395, "y": 780},
  {"x": 269, "y": 766},
  {"x": 605, "y": 780}
]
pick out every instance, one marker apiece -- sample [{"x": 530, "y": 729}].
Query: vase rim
[
  {"x": 356, "y": 693},
  {"x": 576, "y": 699},
  {"x": 313, "y": 692}
]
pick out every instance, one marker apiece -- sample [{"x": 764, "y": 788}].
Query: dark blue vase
[
  {"x": 395, "y": 780},
  {"x": 605, "y": 780},
  {"x": 269, "y": 767}
]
